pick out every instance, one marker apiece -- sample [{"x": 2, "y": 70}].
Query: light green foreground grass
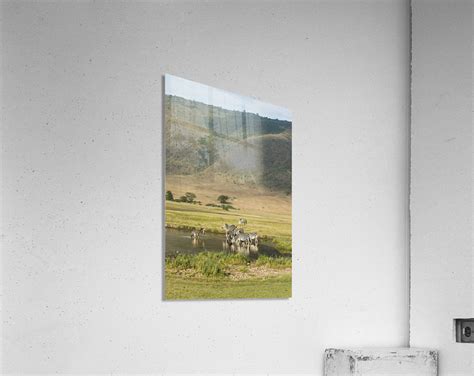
[
  {"x": 209, "y": 275},
  {"x": 182, "y": 288},
  {"x": 188, "y": 216}
]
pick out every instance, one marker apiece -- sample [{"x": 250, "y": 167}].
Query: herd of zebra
[{"x": 235, "y": 236}]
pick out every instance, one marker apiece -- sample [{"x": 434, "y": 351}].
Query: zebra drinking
[
  {"x": 233, "y": 235},
  {"x": 236, "y": 237},
  {"x": 242, "y": 239},
  {"x": 197, "y": 234}
]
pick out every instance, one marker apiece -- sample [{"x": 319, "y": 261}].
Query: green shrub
[
  {"x": 210, "y": 264},
  {"x": 181, "y": 262},
  {"x": 216, "y": 264},
  {"x": 273, "y": 262},
  {"x": 223, "y": 199},
  {"x": 283, "y": 246},
  {"x": 190, "y": 197}
]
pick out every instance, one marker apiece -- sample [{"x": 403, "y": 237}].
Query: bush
[
  {"x": 223, "y": 206},
  {"x": 283, "y": 246},
  {"x": 190, "y": 197},
  {"x": 169, "y": 196},
  {"x": 223, "y": 199},
  {"x": 274, "y": 262},
  {"x": 237, "y": 259},
  {"x": 181, "y": 262},
  {"x": 210, "y": 264}
]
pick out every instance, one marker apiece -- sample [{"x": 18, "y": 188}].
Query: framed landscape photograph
[{"x": 227, "y": 195}]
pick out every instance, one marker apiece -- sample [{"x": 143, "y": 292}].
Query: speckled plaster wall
[
  {"x": 442, "y": 270},
  {"x": 82, "y": 182}
]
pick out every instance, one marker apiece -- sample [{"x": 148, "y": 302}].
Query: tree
[
  {"x": 169, "y": 196},
  {"x": 223, "y": 199},
  {"x": 190, "y": 197}
]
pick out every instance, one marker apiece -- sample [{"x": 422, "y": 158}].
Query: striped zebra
[
  {"x": 196, "y": 234},
  {"x": 242, "y": 221},
  {"x": 253, "y": 238},
  {"x": 242, "y": 239}
]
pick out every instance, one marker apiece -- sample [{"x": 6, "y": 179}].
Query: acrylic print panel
[{"x": 227, "y": 195}]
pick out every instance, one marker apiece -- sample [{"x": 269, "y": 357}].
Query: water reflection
[{"x": 178, "y": 241}]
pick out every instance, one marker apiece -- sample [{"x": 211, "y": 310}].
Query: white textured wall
[
  {"x": 442, "y": 273},
  {"x": 82, "y": 182}
]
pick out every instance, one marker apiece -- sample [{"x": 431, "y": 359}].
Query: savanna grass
[
  {"x": 218, "y": 264},
  {"x": 183, "y": 216}
]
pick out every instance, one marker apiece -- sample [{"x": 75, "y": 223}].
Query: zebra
[
  {"x": 228, "y": 228},
  {"x": 242, "y": 239},
  {"x": 242, "y": 221},
  {"x": 230, "y": 235},
  {"x": 233, "y": 235},
  {"x": 253, "y": 238},
  {"x": 197, "y": 234}
]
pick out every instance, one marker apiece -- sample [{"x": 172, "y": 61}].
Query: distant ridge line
[{"x": 228, "y": 109}]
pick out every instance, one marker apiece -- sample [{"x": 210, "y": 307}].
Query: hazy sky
[{"x": 221, "y": 98}]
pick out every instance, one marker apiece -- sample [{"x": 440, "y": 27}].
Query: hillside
[{"x": 235, "y": 146}]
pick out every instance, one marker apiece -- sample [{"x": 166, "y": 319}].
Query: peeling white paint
[{"x": 378, "y": 362}]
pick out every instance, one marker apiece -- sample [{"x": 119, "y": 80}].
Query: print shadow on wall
[{"x": 227, "y": 195}]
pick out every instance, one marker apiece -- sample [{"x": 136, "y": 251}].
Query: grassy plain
[
  {"x": 228, "y": 276},
  {"x": 267, "y": 213},
  {"x": 182, "y": 288}
]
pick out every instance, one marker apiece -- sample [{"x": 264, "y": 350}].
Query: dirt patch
[{"x": 238, "y": 273}]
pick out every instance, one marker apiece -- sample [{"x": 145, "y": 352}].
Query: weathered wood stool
[{"x": 379, "y": 362}]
